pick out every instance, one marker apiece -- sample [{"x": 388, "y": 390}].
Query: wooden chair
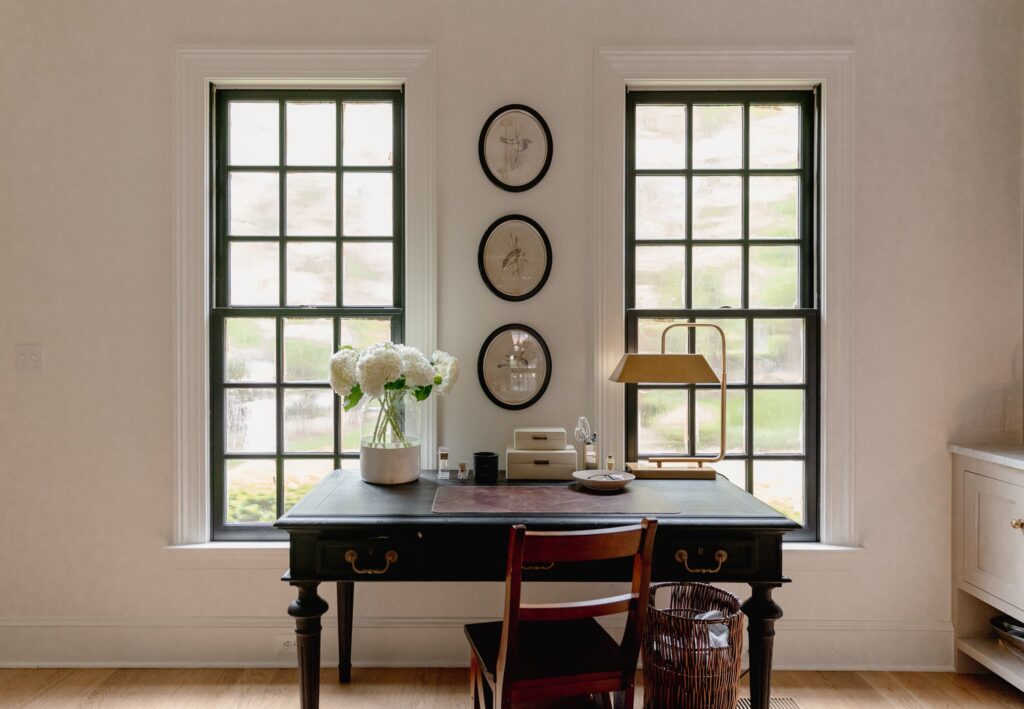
[{"x": 552, "y": 650}]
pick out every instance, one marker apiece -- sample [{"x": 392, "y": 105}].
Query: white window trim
[
  {"x": 197, "y": 69},
  {"x": 619, "y": 69}
]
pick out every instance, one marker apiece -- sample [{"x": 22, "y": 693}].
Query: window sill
[
  {"x": 818, "y": 556},
  {"x": 225, "y": 556}
]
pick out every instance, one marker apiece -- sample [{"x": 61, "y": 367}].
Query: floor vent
[{"x": 776, "y": 703}]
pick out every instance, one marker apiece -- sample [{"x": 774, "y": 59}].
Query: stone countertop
[{"x": 1008, "y": 454}]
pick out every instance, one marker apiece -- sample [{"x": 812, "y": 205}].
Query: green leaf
[
  {"x": 422, "y": 393},
  {"x": 352, "y": 400},
  {"x": 396, "y": 385}
]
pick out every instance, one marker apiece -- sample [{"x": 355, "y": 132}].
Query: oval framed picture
[
  {"x": 514, "y": 366},
  {"x": 514, "y": 257},
  {"x": 515, "y": 148}
]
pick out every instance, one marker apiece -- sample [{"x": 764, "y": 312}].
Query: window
[
  {"x": 721, "y": 210},
  {"x": 308, "y": 256}
]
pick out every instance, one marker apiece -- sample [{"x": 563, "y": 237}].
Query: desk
[{"x": 346, "y": 530}]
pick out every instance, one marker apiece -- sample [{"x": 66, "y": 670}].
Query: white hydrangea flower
[
  {"x": 378, "y": 365},
  {"x": 446, "y": 367},
  {"x": 343, "y": 371},
  {"x": 415, "y": 367}
]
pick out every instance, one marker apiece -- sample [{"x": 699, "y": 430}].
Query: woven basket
[{"x": 682, "y": 667}]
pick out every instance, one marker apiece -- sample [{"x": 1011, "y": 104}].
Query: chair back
[{"x": 545, "y": 548}]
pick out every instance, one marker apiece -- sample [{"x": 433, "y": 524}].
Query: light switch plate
[{"x": 28, "y": 358}]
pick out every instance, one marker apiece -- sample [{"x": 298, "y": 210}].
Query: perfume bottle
[
  {"x": 463, "y": 471},
  {"x": 610, "y": 463},
  {"x": 443, "y": 471}
]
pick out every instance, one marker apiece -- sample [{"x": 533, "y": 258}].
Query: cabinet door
[{"x": 993, "y": 539}]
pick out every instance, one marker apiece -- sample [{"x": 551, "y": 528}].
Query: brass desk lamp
[{"x": 667, "y": 368}]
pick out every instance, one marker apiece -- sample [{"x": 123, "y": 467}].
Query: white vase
[{"x": 389, "y": 452}]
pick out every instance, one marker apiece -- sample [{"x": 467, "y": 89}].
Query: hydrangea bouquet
[{"x": 387, "y": 373}]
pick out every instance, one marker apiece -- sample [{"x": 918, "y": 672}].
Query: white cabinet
[{"x": 988, "y": 554}]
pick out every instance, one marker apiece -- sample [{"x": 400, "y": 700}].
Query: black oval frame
[
  {"x": 480, "y": 366},
  {"x": 483, "y": 137},
  {"x": 483, "y": 245}
]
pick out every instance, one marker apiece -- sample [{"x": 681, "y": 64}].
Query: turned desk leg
[
  {"x": 762, "y": 612},
  {"x": 307, "y": 609},
  {"x": 346, "y": 602}
]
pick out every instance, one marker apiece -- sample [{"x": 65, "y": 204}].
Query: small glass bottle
[
  {"x": 443, "y": 471},
  {"x": 463, "y": 471},
  {"x": 610, "y": 463}
]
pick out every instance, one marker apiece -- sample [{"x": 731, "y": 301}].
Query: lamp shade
[{"x": 664, "y": 369}]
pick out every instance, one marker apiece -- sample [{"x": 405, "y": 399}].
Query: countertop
[{"x": 1009, "y": 454}]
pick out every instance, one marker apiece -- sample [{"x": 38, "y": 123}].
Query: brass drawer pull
[
  {"x": 1017, "y": 524},
  {"x": 541, "y": 462},
  {"x": 390, "y": 557},
  {"x": 720, "y": 556},
  {"x": 538, "y": 567}
]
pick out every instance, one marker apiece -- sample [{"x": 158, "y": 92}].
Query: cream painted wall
[{"x": 86, "y": 459}]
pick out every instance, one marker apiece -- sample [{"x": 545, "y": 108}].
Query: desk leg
[
  {"x": 762, "y": 612},
  {"x": 306, "y": 610},
  {"x": 346, "y": 601}
]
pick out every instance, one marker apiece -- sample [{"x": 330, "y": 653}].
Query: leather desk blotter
[{"x": 549, "y": 500}]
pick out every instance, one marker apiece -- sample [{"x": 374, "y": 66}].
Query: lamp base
[{"x": 668, "y": 471}]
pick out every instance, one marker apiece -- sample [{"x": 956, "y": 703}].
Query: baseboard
[{"x": 256, "y": 641}]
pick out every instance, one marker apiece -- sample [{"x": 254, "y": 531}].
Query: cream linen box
[
  {"x": 539, "y": 439},
  {"x": 540, "y": 464}
]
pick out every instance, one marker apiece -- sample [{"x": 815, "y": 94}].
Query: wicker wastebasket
[{"x": 690, "y": 662}]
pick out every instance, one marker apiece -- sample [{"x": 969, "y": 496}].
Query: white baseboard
[{"x": 800, "y": 644}]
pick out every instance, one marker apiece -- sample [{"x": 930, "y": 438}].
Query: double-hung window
[
  {"x": 308, "y": 236},
  {"x": 721, "y": 211}
]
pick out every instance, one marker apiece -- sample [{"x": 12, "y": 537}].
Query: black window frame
[
  {"x": 220, "y": 308},
  {"x": 809, "y": 267}
]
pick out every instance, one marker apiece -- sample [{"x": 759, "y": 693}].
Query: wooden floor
[{"x": 437, "y": 688}]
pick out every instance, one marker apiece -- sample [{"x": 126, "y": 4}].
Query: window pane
[
  {"x": 251, "y": 491},
  {"x": 308, "y": 345},
  {"x": 351, "y": 429},
  {"x": 663, "y": 416},
  {"x": 734, "y": 470},
  {"x": 717, "y": 207},
  {"x": 649, "y": 336},
  {"x": 773, "y": 207},
  {"x": 661, "y": 208},
  {"x": 250, "y": 350},
  {"x": 660, "y": 276},
  {"x": 368, "y": 133},
  {"x": 779, "y": 351},
  {"x": 367, "y": 279},
  {"x": 709, "y": 344},
  {"x": 363, "y": 332},
  {"x": 660, "y": 137},
  {"x": 250, "y": 420},
  {"x": 717, "y": 276},
  {"x": 253, "y": 204},
  {"x": 311, "y": 133},
  {"x": 709, "y": 421},
  {"x": 717, "y": 137},
  {"x": 253, "y": 274},
  {"x": 252, "y": 133},
  {"x": 367, "y": 204},
  {"x": 301, "y": 476},
  {"x": 308, "y": 420},
  {"x": 780, "y": 483},
  {"x": 774, "y": 136},
  {"x": 774, "y": 274},
  {"x": 311, "y": 273},
  {"x": 311, "y": 204},
  {"x": 778, "y": 421}
]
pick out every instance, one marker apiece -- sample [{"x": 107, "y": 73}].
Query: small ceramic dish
[{"x": 603, "y": 480}]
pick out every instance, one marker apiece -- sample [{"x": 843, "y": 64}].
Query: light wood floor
[{"x": 437, "y": 688}]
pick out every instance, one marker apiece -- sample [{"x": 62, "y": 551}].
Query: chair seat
[{"x": 548, "y": 649}]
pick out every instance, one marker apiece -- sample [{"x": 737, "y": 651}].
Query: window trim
[
  {"x": 808, "y": 268},
  {"x": 619, "y": 69},
  {"x": 409, "y": 69}
]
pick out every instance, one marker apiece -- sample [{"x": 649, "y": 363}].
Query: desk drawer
[
  {"x": 368, "y": 559},
  {"x": 706, "y": 559}
]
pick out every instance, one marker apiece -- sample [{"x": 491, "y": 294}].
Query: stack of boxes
[{"x": 540, "y": 454}]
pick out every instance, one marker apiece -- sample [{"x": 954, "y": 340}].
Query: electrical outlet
[
  {"x": 286, "y": 644},
  {"x": 28, "y": 358}
]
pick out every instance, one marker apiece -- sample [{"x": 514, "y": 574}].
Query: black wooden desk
[{"x": 346, "y": 530}]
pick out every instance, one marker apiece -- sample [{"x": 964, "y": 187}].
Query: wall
[{"x": 86, "y": 458}]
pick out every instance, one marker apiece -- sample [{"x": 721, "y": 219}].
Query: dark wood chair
[{"x": 552, "y": 650}]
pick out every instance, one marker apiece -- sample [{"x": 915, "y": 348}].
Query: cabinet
[{"x": 988, "y": 554}]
